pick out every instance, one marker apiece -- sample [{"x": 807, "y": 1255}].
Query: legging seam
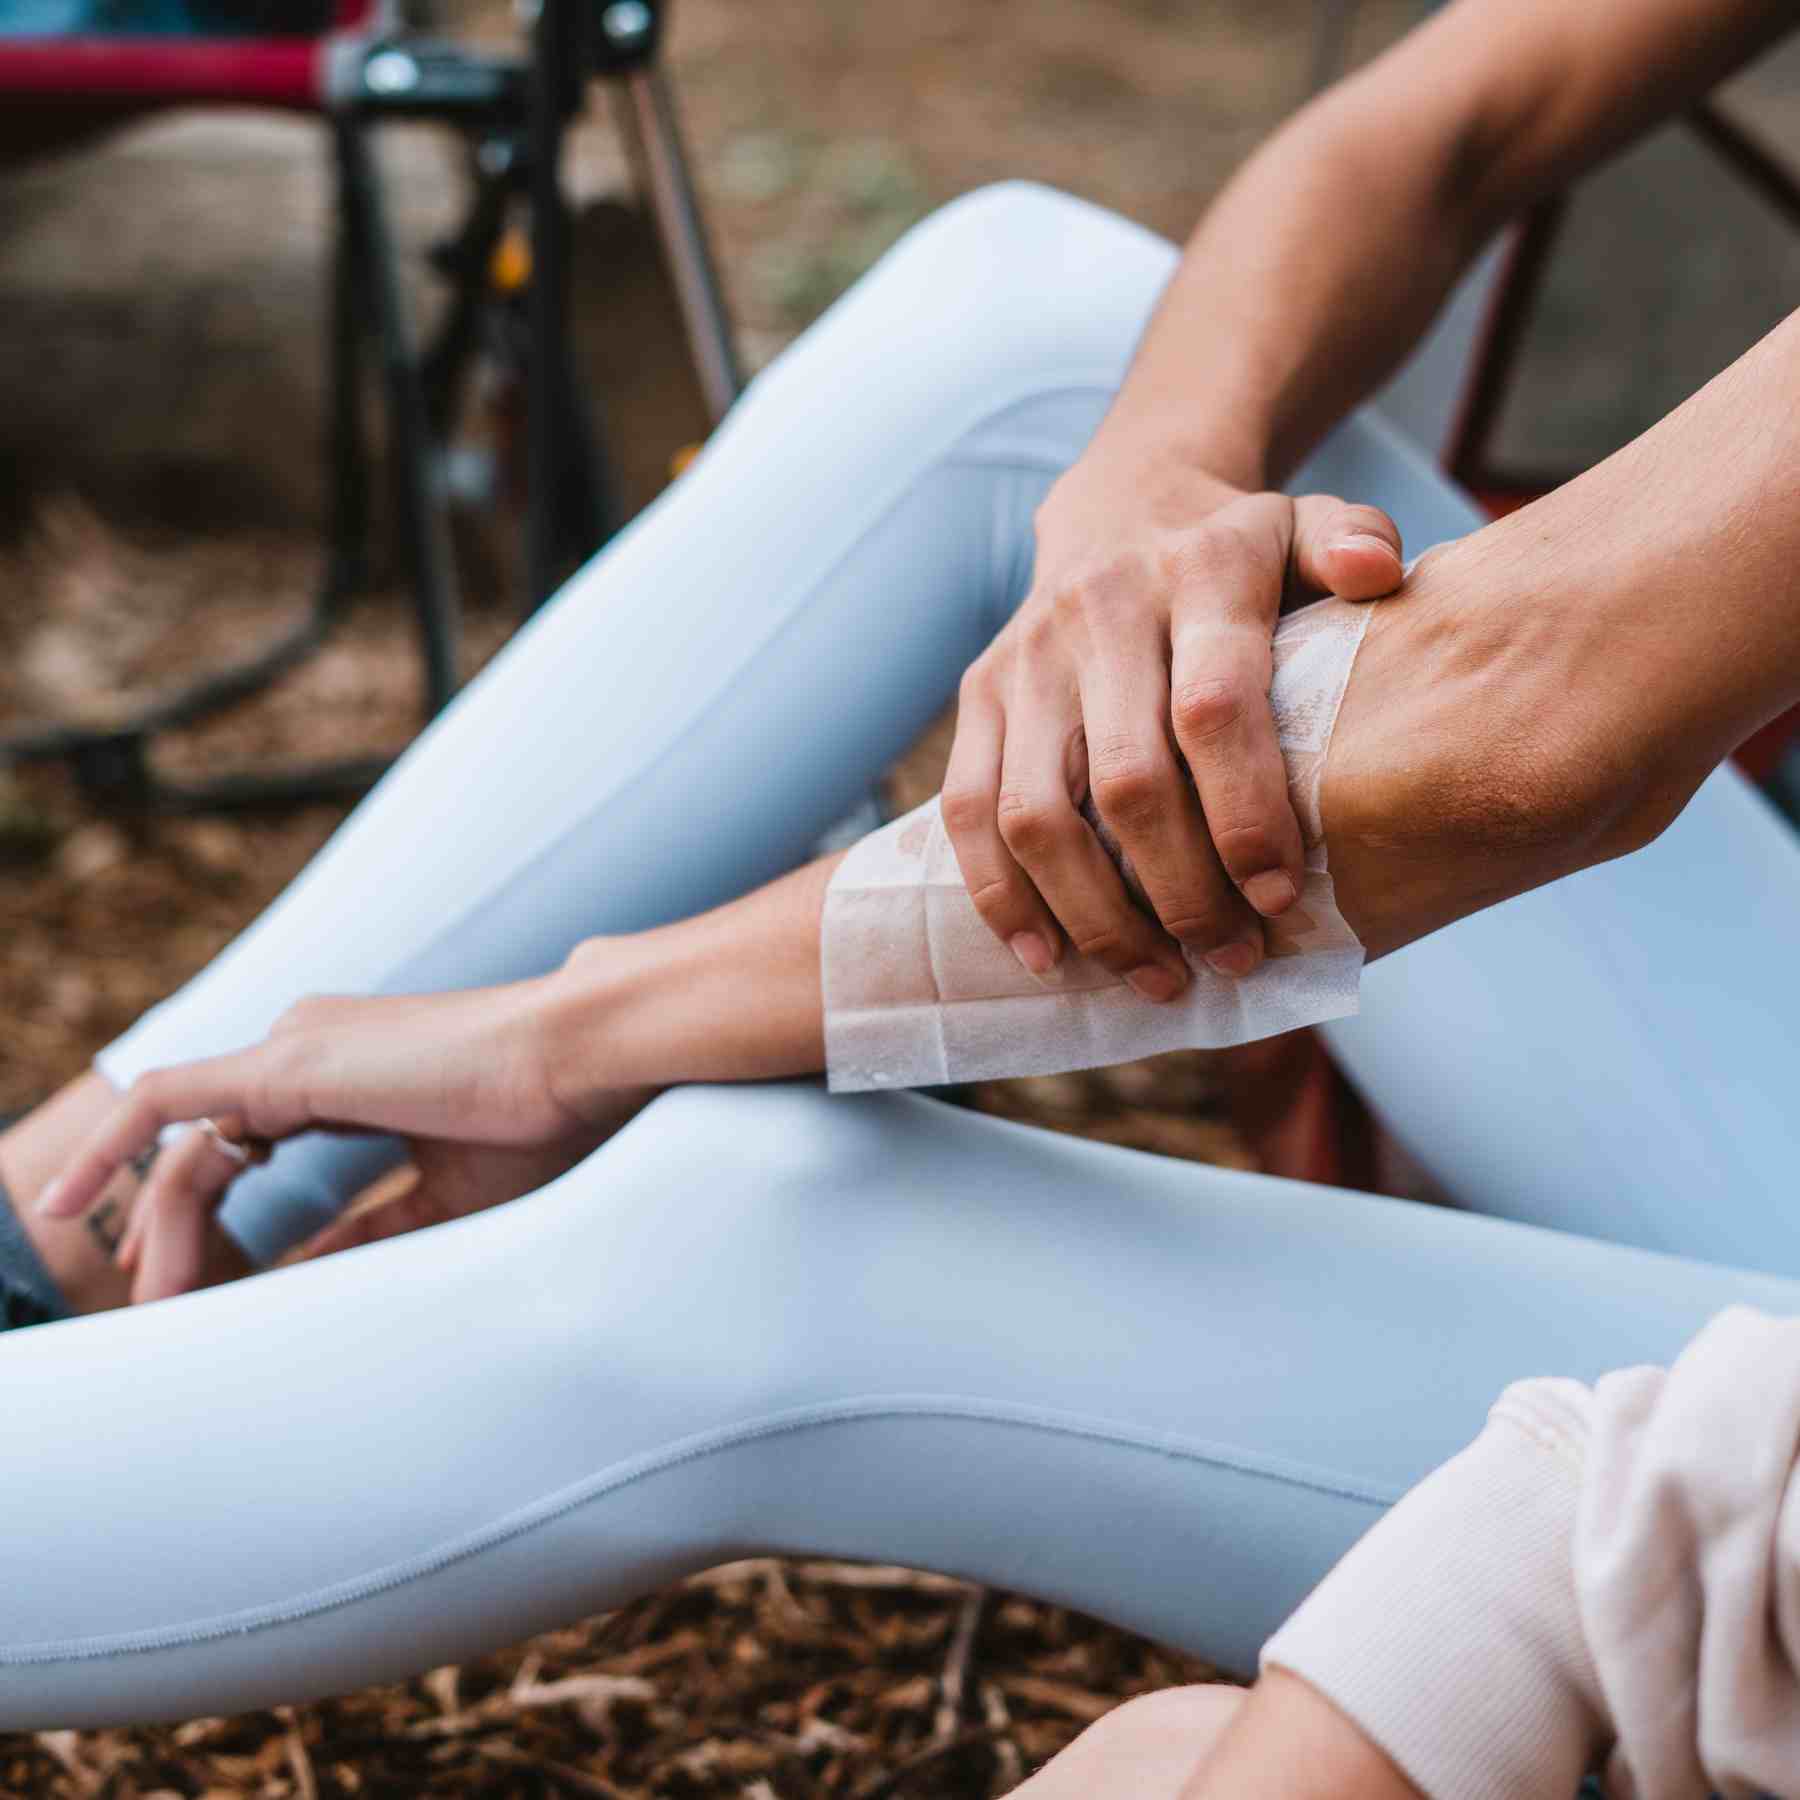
[{"x": 547, "y": 1511}]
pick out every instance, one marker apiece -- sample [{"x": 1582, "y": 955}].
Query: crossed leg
[{"x": 767, "y": 1320}]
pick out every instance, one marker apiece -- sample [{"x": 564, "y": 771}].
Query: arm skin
[
  {"x": 1141, "y": 656},
  {"x": 1344, "y": 234}
]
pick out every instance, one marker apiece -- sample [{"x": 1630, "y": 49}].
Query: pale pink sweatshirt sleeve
[{"x": 1609, "y": 1574}]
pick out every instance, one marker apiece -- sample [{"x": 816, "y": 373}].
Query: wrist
[
  {"x": 730, "y": 995},
  {"x": 588, "y": 1018},
  {"x": 1507, "y": 721},
  {"x": 1176, "y": 464}
]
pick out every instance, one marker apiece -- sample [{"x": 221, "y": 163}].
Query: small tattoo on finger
[{"x": 106, "y": 1225}]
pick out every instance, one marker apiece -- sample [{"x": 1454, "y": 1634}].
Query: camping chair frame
[{"x": 514, "y": 113}]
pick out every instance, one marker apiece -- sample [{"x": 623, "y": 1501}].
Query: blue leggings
[{"x": 760, "y": 1319}]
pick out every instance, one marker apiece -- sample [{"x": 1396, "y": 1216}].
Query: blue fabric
[
  {"x": 28, "y": 1295},
  {"x": 96, "y": 18},
  {"x": 158, "y": 18}
]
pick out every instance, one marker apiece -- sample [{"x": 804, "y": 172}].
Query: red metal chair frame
[{"x": 52, "y": 88}]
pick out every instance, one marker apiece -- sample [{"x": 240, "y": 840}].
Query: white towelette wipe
[{"x": 918, "y": 991}]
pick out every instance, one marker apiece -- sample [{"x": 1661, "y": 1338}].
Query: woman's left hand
[{"x": 461, "y": 1076}]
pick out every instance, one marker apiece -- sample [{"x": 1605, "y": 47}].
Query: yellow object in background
[{"x": 509, "y": 268}]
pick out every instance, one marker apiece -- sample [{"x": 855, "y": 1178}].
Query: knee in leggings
[
  {"x": 776, "y": 1133},
  {"x": 1032, "y": 264},
  {"x": 750, "y": 1192}
]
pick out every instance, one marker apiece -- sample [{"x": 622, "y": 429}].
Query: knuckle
[
  {"x": 1109, "y": 944},
  {"x": 997, "y": 900},
  {"x": 1132, "y": 789},
  {"x": 966, "y": 810},
  {"x": 976, "y": 685},
  {"x": 1218, "y": 547},
  {"x": 1030, "y": 824},
  {"x": 149, "y": 1092},
  {"x": 1199, "y": 932},
  {"x": 1204, "y": 706},
  {"x": 1111, "y": 587},
  {"x": 303, "y": 1015},
  {"x": 1041, "y": 636},
  {"x": 1244, "y": 849}
]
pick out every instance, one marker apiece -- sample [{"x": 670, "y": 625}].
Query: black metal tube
[
  {"x": 424, "y": 519},
  {"x": 553, "y": 69},
  {"x": 655, "y": 138}
]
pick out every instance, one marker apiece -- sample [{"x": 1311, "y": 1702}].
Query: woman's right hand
[{"x": 1137, "y": 673}]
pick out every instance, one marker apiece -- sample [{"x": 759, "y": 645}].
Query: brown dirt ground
[{"x": 159, "y": 502}]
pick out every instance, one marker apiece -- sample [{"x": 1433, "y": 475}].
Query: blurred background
[{"x": 164, "y": 311}]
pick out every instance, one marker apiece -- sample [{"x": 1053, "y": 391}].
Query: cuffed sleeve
[{"x": 1451, "y": 1633}]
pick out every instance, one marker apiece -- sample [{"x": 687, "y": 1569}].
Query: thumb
[{"x": 1353, "y": 551}]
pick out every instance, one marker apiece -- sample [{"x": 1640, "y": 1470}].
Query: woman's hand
[
  {"x": 1137, "y": 673},
  {"x": 461, "y": 1076}
]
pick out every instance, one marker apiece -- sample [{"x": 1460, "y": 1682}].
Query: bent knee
[{"x": 1052, "y": 276}]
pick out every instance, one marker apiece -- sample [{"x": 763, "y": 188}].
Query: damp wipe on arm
[{"x": 919, "y": 992}]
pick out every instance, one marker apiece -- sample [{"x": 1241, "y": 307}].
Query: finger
[
  {"x": 1141, "y": 790},
  {"x": 126, "y": 1256},
  {"x": 248, "y": 1085},
  {"x": 1352, "y": 551},
  {"x": 1065, "y": 861},
  {"x": 1219, "y": 704},
  {"x": 1010, "y": 906},
  {"x": 188, "y": 1180}
]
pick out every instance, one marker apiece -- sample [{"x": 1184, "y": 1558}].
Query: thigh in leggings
[{"x": 767, "y": 1320}]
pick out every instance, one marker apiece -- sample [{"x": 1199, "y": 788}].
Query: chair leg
[
  {"x": 423, "y": 503},
  {"x": 346, "y": 439},
  {"x": 655, "y": 142}
]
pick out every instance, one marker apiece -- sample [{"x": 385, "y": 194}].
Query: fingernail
[
  {"x": 1154, "y": 982},
  {"x": 46, "y": 1201},
  {"x": 1031, "y": 950},
  {"x": 1232, "y": 960},
  {"x": 1271, "y": 892}
]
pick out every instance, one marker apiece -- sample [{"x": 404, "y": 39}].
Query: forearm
[
  {"x": 730, "y": 995},
  {"x": 1309, "y": 277},
  {"x": 1549, "y": 692},
  {"x": 1668, "y": 577},
  {"x": 1323, "y": 260}
]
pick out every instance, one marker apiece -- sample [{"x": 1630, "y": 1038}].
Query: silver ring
[{"x": 241, "y": 1154}]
